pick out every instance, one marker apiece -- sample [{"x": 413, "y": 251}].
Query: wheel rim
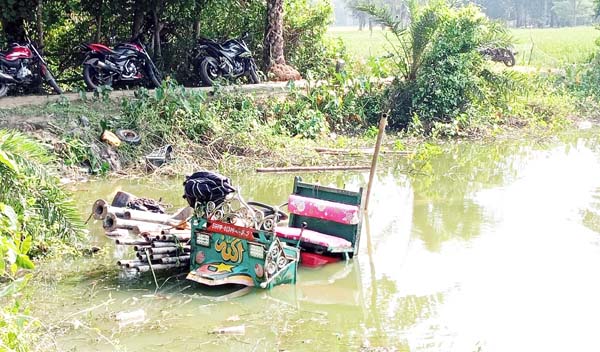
[
  {"x": 100, "y": 79},
  {"x": 212, "y": 70}
]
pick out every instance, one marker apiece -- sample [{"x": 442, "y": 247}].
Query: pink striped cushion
[
  {"x": 314, "y": 237},
  {"x": 323, "y": 209}
]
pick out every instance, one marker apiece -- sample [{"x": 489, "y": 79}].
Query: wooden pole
[
  {"x": 382, "y": 124},
  {"x": 311, "y": 168}
]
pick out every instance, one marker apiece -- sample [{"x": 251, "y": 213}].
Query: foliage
[
  {"x": 45, "y": 211},
  {"x": 305, "y": 27},
  {"x": 67, "y": 23},
  {"x": 437, "y": 60},
  {"x": 539, "y": 13},
  {"x": 572, "y": 12},
  {"x": 32, "y": 209}
]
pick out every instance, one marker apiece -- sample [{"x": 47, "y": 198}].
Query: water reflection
[{"x": 495, "y": 249}]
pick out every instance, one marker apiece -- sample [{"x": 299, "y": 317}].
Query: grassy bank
[
  {"x": 232, "y": 132},
  {"x": 547, "y": 47}
]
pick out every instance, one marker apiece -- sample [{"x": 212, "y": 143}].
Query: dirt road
[{"x": 258, "y": 89}]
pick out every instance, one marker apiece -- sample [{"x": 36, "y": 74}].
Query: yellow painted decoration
[
  {"x": 230, "y": 251},
  {"x": 224, "y": 267}
]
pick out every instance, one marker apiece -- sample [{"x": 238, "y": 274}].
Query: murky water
[{"x": 495, "y": 248}]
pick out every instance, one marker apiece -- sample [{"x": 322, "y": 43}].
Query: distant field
[{"x": 552, "y": 47}]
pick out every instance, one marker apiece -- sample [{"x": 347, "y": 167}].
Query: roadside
[{"x": 258, "y": 89}]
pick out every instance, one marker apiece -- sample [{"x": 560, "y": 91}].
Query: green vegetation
[
  {"x": 36, "y": 215},
  {"x": 552, "y": 47},
  {"x": 64, "y": 24}
]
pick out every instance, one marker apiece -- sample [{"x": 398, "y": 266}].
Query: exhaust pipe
[
  {"x": 7, "y": 78},
  {"x": 107, "y": 67}
]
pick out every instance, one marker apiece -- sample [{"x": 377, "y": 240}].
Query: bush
[
  {"x": 439, "y": 70},
  {"x": 305, "y": 26}
]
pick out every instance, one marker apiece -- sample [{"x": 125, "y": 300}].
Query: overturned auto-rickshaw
[
  {"x": 222, "y": 239},
  {"x": 249, "y": 243}
]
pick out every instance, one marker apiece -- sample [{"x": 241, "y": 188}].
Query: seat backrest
[{"x": 332, "y": 211}]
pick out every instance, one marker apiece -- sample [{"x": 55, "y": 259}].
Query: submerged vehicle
[
  {"x": 242, "y": 243},
  {"x": 223, "y": 240}
]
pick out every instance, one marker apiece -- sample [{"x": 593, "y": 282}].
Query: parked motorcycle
[
  {"x": 231, "y": 59},
  {"x": 22, "y": 66},
  {"x": 507, "y": 56},
  {"x": 127, "y": 62}
]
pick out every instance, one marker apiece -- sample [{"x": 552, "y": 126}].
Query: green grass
[
  {"x": 555, "y": 47},
  {"x": 548, "y": 47}
]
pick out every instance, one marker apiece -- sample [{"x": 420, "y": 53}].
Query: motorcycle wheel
[
  {"x": 3, "y": 89},
  {"x": 508, "y": 58},
  {"x": 94, "y": 79},
  {"x": 51, "y": 81},
  {"x": 154, "y": 76},
  {"x": 208, "y": 71},
  {"x": 253, "y": 76}
]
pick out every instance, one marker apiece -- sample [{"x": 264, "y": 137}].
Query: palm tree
[{"x": 27, "y": 186}]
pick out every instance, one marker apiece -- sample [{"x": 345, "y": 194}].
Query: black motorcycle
[
  {"x": 504, "y": 55},
  {"x": 127, "y": 62},
  {"x": 231, "y": 59},
  {"x": 22, "y": 66}
]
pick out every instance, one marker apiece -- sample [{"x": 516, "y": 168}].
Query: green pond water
[{"x": 490, "y": 247}]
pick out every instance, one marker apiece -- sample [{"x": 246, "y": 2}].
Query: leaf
[
  {"x": 26, "y": 245},
  {"x": 24, "y": 262},
  {"x": 6, "y": 161}
]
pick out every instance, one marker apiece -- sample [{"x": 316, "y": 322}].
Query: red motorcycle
[
  {"x": 22, "y": 66},
  {"x": 127, "y": 62}
]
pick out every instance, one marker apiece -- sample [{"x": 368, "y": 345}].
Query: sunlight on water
[{"x": 496, "y": 250}]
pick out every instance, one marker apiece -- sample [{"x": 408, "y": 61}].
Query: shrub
[{"x": 439, "y": 69}]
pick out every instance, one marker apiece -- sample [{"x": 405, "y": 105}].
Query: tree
[
  {"x": 571, "y": 12},
  {"x": 273, "y": 54}
]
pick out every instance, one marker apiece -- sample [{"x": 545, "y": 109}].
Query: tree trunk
[
  {"x": 156, "y": 18},
  {"x": 196, "y": 28},
  {"x": 138, "y": 18},
  {"x": 40, "y": 26},
  {"x": 98, "y": 18},
  {"x": 273, "y": 43}
]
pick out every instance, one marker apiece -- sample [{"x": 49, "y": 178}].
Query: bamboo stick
[
  {"x": 141, "y": 247},
  {"x": 175, "y": 238},
  {"x": 382, "y": 124},
  {"x": 129, "y": 242},
  {"x": 163, "y": 219},
  {"x": 126, "y": 262},
  {"x": 159, "y": 256},
  {"x": 369, "y": 151},
  {"x": 180, "y": 259},
  {"x": 112, "y": 222},
  {"x": 143, "y": 256},
  {"x": 159, "y": 244},
  {"x": 150, "y": 236},
  {"x": 146, "y": 227},
  {"x": 312, "y": 168},
  {"x": 172, "y": 231},
  {"x": 163, "y": 250},
  {"x": 145, "y": 268}
]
